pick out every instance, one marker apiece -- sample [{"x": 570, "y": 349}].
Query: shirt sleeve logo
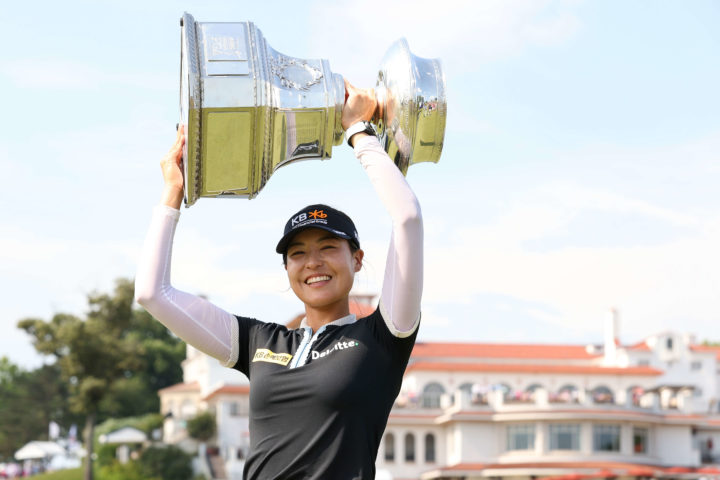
[{"x": 265, "y": 355}]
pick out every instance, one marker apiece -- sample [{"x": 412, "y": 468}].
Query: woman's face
[{"x": 321, "y": 268}]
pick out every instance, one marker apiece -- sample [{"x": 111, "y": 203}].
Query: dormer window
[{"x": 669, "y": 343}]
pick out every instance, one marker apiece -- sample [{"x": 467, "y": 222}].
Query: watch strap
[{"x": 358, "y": 127}]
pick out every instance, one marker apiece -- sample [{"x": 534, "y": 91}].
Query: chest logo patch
[
  {"x": 265, "y": 355},
  {"x": 336, "y": 347}
]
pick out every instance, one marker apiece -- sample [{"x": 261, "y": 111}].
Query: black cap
[{"x": 323, "y": 217}]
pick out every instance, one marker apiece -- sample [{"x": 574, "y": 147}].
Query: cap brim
[{"x": 285, "y": 240}]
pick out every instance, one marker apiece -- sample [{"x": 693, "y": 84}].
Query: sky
[{"x": 579, "y": 170}]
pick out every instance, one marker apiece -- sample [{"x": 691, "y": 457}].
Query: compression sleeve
[
  {"x": 403, "y": 281},
  {"x": 198, "y": 322}
]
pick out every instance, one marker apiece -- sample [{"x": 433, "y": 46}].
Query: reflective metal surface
[
  {"x": 412, "y": 106},
  {"x": 248, "y": 109}
]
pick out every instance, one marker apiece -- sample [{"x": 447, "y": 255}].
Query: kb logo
[
  {"x": 300, "y": 218},
  {"x": 304, "y": 216}
]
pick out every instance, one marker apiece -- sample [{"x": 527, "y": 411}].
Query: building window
[
  {"x": 696, "y": 365},
  {"x": 643, "y": 363},
  {"x": 640, "y": 440},
  {"x": 389, "y": 447},
  {"x": 669, "y": 343},
  {"x": 187, "y": 409},
  {"x": 430, "y": 448},
  {"x": 409, "y": 447},
  {"x": 431, "y": 395},
  {"x": 466, "y": 390},
  {"x": 238, "y": 409},
  {"x": 564, "y": 436},
  {"x": 529, "y": 394},
  {"x": 636, "y": 393},
  {"x": 521, "y": 437},
  {"x": 602, "y": 394},
  {"x": 606, "y": 438},
  {"x": 567, "y": 394}
]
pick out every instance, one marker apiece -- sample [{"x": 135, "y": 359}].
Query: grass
[{"x": 70, "y": 474}]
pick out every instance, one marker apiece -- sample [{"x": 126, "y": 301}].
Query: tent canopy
[
  {"x": 35, "y": 450},
  {"x": 124, "y": 435}
]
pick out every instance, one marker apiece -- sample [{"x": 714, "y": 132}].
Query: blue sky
[{"x": 579, "y": 173}]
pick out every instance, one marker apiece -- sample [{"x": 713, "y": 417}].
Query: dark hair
[{"x": 353, "y": 248}]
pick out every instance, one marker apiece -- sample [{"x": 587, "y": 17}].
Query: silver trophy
[{"x": 248, "y": 109}]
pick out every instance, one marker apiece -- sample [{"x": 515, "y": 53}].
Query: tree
[
  {"x": 202, "y": 426},
  {"x": 11, "y": 394},
  {"x": 114, "y": 359},
  {"x": 29, "y": 400}
]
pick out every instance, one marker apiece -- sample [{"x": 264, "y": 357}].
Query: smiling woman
[
  {"x": 320, "y": 395},
  {"x": 321, "y": 267}
]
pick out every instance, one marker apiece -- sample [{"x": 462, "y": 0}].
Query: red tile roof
[
  {"x": 531, "y": 368},
  {"x": 230, "y": 390},
  {"x": 499, "y": 350},
  {"x": 707, "y": 348},
  {"x": 181, "y": 387},
  {"x": 643, "y": 346}
]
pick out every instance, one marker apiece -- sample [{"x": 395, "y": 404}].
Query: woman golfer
[{"x": 320, "y": 395}]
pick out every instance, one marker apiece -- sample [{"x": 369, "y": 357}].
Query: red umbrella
[
  {"x": 678, "y": 470},
  {"x": 641, "y": 472},
  {"x": 710, "y": 470},
  {"x": 605, "y": 473}
]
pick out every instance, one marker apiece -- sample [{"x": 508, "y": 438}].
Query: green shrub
[
  {"x": 165, "y": 463},
  {"x": 127, "y": 471},
  {"x": 105, "y": 454},
  {"x": 202, "y": 426}
]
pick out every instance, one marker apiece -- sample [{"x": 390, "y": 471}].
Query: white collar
[{"x": 346, "y": 320}]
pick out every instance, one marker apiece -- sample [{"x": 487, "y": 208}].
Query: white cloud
[
  {"x": 595, "y": 198},
  {"x": 655, "y": 283},
  {"x": 463, "y": 33},
  {"x": 667, "y": 279}
]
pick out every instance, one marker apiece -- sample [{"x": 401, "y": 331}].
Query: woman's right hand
[{"x": 171, "y": 166}]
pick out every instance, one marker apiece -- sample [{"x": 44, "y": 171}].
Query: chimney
[{"x": 612, "y": 321}]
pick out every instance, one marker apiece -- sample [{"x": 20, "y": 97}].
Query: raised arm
[
  {"x": 198, "y": 322},
  {"x": 403, "y": 281}
]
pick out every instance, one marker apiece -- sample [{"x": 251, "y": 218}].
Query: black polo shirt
[{"x": 319, "y": 403}]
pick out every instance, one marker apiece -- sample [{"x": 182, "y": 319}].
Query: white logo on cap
[{"x": 300, "y": 218}]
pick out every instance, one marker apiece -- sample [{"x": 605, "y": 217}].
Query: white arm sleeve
[
  {"x": 403, "y": 282},
  {"x": 198, "y": 322}
]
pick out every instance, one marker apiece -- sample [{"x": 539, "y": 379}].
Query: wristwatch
[{"x": 364, "y": 126}]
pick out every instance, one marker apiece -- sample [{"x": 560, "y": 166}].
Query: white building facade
[{"x": 490, "y": 411}]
